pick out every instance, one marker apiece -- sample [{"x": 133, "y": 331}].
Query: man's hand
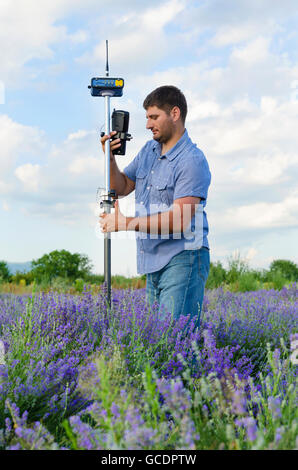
[
  {"x": 113, "y": 222},
  {"x": 114, "y": 144}
]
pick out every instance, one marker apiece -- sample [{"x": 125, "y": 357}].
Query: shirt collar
[{"x": 174, "y": 151}]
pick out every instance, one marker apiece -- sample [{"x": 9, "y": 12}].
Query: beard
[{"x": 164, "y": 135}]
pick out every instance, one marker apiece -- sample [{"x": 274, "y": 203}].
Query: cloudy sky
[{"x": 235, "y": 60}]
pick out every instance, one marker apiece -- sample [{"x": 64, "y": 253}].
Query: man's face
[{"x": 160, "y": 123}]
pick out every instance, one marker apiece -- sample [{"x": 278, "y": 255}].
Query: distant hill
[{"x": 21, "y": 267}]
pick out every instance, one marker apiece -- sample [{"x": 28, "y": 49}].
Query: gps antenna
[{"x": 107, "y": 58}]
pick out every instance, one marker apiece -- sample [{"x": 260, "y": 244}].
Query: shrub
[
  {"x": 79, "y": 285},
  {"x": 217, "y": 275},
  {"x": 4, "y": 271},
  {"x": 277, "y": 279},
  {"x": 288, "y": 269},
  {"x": 248, "y": 282},
  {"x": 236, "y": 268}
]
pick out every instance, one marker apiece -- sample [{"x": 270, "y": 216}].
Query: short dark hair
[{"x": 166, "y": 97}]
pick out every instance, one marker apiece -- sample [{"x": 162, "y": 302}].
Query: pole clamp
[{"x": 105, "y": 199}]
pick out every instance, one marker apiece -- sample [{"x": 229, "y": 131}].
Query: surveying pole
[{"x": 107, "y": 88}]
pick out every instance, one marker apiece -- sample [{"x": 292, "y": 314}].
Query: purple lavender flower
[
  {"x": 238, "y": 404},
  {"x": 50, "y": 340},
  {"x": 278, "y": 434},
  {"x": 249, "y": 424},
  {"x": 274, "y": 405}
]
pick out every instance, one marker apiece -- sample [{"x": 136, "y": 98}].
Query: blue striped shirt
[{"x": 160, "y": 179}]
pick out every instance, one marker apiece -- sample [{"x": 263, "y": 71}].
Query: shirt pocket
[
  {"x": 160, "y": 193},
  {"x": 140, "y": 183}
]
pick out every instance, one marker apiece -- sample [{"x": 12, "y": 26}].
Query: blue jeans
[{"x": 179, "y": 286}]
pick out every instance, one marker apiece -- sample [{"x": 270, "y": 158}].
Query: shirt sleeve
[
  {"x": 139, "y": 161},
  {"x": 131, "y": 169},
  {"x": 193, "y": 178}
]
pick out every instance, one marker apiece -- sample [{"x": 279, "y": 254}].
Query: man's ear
[{"x": 175, "y": 113}]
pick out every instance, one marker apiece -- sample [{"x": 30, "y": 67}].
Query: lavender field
[{"x": 76, "y": 375}]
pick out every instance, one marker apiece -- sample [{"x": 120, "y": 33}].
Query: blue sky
[{"x": 237, "y": 63}]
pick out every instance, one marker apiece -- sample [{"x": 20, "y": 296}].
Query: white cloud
[
  {"x": 232, "y": 22},
  {"x": 232, "y": 61},
  {"x": 138, "y": 38},
  {"x": 259, "y": 215},
  {"x": 251, "y": 254},
  {"x": 73, "y": 172},
  {"x": 5, "y": 206},
  {"x": 2, "y": 93},
  {"x": 234, "y": 34},
  {"x": 243, "y": 117},
  {"x": 85, "y": 165},
  {"x": 5, "y": 188},
  {"x": 29, "y": 175},
  {"x": 79, "y": 134},
  {"x": 14, "y": 139},
  {"x": 79, "y": 37},
  {"x": 30, "y": 29},
  {"x": 60, "y": 174},
  {"x": 203, "y": 109},
  {"x": 266, "y": 169},
  {"x": 254, "y": 52}
]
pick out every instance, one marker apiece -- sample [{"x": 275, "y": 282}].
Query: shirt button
[
  {"x": 148, "y": 187},
  {"x": 142, "y": 202},
  {"x": 152, "y": 171}
]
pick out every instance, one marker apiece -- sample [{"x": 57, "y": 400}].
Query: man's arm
[
  {"x": 118, "y": 180},
  {"x": 176, "y": 220}
]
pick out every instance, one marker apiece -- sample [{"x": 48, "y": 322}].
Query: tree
[
  {"x": 61, "y": 264},
  {"x": 288, "y": 269},
  {"x": 4, "y": 271}
]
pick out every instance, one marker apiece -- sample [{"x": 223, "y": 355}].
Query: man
[{"x": 170, "y": 176}]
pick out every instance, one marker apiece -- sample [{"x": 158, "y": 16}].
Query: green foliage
[
  {"x": 122, "y": 281},
  {"x": 22, "y": 336},
  {"x": 248, "y": 282},
  {"x": 94, "y": 278},
  {"x": 137, "y": 408},
  {"x": 240, "y": 278},
  {"x": 79, "y": 285},
  {"x": 205, "y": 412},
  {"x": 237, "y": 267},
  {"x": 217, "y": 275},
  {"x": 61, "y": 264},
  {"x": 66, "y": 272},
  {"x": 58, "y": 284},
  {"x": 19, "y": 276},
  {"x": 4, "y": 271},
  {"x": 276, "y": 279},
  {"x": 288, "y": 269}
]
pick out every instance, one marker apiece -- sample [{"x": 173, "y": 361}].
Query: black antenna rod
[{"x": 107, "y": 57}]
